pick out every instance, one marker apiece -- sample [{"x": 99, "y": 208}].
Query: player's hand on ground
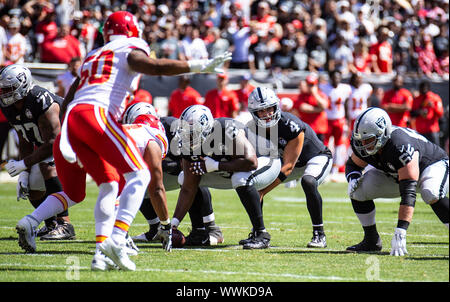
[
  {"x": 23, "y": 190},
  {"x": 165, "y": 233},
  {"x": 14, "y": 167},
  {"x": 398, "y": 243}
]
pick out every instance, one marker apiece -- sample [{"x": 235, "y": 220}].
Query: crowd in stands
[{"x": 352, "y": 37}]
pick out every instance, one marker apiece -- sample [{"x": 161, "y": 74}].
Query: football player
[
  {"x": 302, "y": 153},
  {"x": 33, "y": 111},
  {"x": 403, "y": 161},
  {"x": 204, "y": 230},
  {"x": 92, "y": 137},
  {"x": 217, "y": 154}
]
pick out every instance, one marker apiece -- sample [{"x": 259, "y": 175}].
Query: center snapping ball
[{"x": 178, "y": 239}]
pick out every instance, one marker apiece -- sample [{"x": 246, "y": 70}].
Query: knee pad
[
  {"x": 309, "y": 183},
  {"x": 429, "y": 195}
]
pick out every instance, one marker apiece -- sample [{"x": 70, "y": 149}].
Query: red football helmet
[{"x": 121, "y": 23}]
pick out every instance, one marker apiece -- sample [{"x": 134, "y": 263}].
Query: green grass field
[{"x": 288, "y": 259}]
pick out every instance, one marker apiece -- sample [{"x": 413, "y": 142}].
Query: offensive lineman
[
  {"x": 403, "y": 161},
  {"x": 302, "y": 153},
  {"x": 34, "y": 113}
]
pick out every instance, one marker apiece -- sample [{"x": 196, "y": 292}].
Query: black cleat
[
  {"x": 47, "y": 229},
  {"x": 319, "y": 240},
  {"x": 151, "y": 235},
  {"x": 251, "y": 236},
  {"x": 63, "y": 231},
  {"x": 366, "y": 246},
  {"x": 261, "y": 240},
  {"x": 197, "y": 237}
]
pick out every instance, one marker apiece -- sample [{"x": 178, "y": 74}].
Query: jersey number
[
  {"x": 92, "y": 76},
  {"x": 26, "y": 127}
]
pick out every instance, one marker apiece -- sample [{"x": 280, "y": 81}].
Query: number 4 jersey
[
  {"x": 399, "y": 150},
  {"x": 106, "y": 79},
  {"x": 26, "y": 120}
]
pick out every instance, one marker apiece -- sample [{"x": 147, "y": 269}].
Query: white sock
[
  {"x": 130, "y": 202},
  {"x": 104, "y": 210},
  {"x": 52, "y": 205},
  {"x": 367, "y": 219}
]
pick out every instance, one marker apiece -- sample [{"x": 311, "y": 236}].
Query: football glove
[
  {"x": 352, "y": 186},
  {"x": 398, "y": 243},
  {"x": 198, "y": 167},
  {"x": 23, "y": 190},
  {"x": 211, "y": 165},
  {"x": 165, "y": 233},
  {"x": 209, "y": 65},
  {"x": 14, "y": 167}
]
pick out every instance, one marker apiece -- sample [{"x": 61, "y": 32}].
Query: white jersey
[
  {"x": 106, "y": 79},
  {"x": 357, "y": 102},
  {"x": 66, "y": 79},
  {"x": 337, "y": 98},
  {"x": 143, "y": 134}
]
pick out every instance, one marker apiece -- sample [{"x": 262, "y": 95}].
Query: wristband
[
  {"x": 175, "y": 222},
  {"x": 282, "y": 176},
  {"x": 165, "y": 222}
]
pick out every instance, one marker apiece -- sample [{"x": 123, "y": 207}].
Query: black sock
[
  {"x": 441, "y": 208},
  {"x": 365, "y": 207},
  {"x": 318, "y": 228},
  {"x": 370, "y": 232},
  {"x": 250, "y": 200},
  {"x": 147, "y": 209},
  {"x": 195, "y": 212},
  {"x": 313, "y": 199}
]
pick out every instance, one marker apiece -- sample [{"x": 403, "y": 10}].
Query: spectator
[
  {"x": 397, "y": 102},
  {"x": 358, "y": 100},
  {"x": 317, "y": 52},
  {"x": 361, "y": 59},
  {"x": 62, "y": 48},
  {"x": 218, "y": 44},
  {"x": 183, "y": 97},
  {"x": 221, "y": 101},
  {"x": 284, "y": 58},
  {"x": 192, "y": 46},
  {"x": 311, "y": 104},
  {"x": 169, "y": 46},
  {"x": 15, "y": 47},
  {"x": 301, "y": 53},
  {"x": 46, "y": 27},
  {"x": 427, "y": 109},
  {"x": 241, "y": 46},
  {"x": 341, "y": 56},
  {"x": 245, "y": 88},
  {"x": 381, "y": 52},
  {"x": 427, "y": 58},
  {"x": 263, "y": 20},
  {"x": 65, "y": 80}
]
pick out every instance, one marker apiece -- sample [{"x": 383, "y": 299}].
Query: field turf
[{"x": 287, "y": 260}]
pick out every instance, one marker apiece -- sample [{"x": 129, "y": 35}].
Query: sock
[
  {"x": 53, "y": 185},
  {"x": 313, "y": 199},
  {"x": 54, "y": 203},
  {"x": 365, "y": 211},
  {"x": 441, "y": 209},
  {"x": 104, "y": 211},
  {"x": 250, "y": 200},
  {"x": 130, "y": 202},
  {"x": 195, "y": 212}
]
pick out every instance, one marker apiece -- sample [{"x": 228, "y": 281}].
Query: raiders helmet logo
[{"x": 381, "y": 122}]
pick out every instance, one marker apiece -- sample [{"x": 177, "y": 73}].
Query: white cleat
[
  {"x": 102, "y": 263},
  {"x": 26, "y": 228},
  {"x": 118, "y": 254}
]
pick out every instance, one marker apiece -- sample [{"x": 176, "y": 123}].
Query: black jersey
[
  {"x": 220, "y": 144},
  {"x": 399, "y": 149},
  {"x": 289, "y": 127},
  {"x": 25, "y": 121},
  {"x": 170, "y": 129}
]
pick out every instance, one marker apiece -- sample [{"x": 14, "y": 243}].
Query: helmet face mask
[
  {"x": 372, "y": 130},
  {"x": 137, "y": 109},
  {"x": 261, "y": 99},
  {"x": 15, "y": 83},
  {"x": 196, "y": 126}
]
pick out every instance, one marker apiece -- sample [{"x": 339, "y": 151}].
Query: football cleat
[
  {"x": 318, "y": 240},
  {"x": 132, "y": 249},
  {"x": 215, "y": 235},
  {"x": 26, "y": 228},
  {"x": 102, "y": 263},
  {"x": 151, "y": 235},
  {"x": 197, "y": 237},
  {"x": 366, "y": 246},
  {"x": 261, "y": 240},
  {"x": 63, "y": 231},
  {"x": 46, "y": 229},
  {"x": 118, "y": 254},
  {"x": 251, "y": 235}
]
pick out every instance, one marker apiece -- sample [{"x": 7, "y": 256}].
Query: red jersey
[
  {"x": 60, "y": 50},
  {"x": 361, "y": 62},
  {"x": 180, "y": 100},
  {"x": 383, "y": 51},
  {"x": 433, "y": 104},
  {"x": 222, "y": 103},
  {"x": 317, "y": 121},
  {"x": 243, "y": 94},
  {"x": 401, "y": 96}
]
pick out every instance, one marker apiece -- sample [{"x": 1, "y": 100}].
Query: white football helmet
[
  {"x": 196, "y": 124},
  {"x": 15, "y": 83},
  {"x": 372, "y": 129},
  {"x": 132, "y": 112},
  {"x": 262, "y": 98}
]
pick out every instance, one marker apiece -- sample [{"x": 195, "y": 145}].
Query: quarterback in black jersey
[
  {"x": 402, "y": 161},
  {"x": 216, "y": 153},
  {"x": 303, "y": 154},
  {"x": 33, "y": 111}
]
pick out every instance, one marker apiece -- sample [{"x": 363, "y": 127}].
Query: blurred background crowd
[{"x": 355, "y": 39}]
